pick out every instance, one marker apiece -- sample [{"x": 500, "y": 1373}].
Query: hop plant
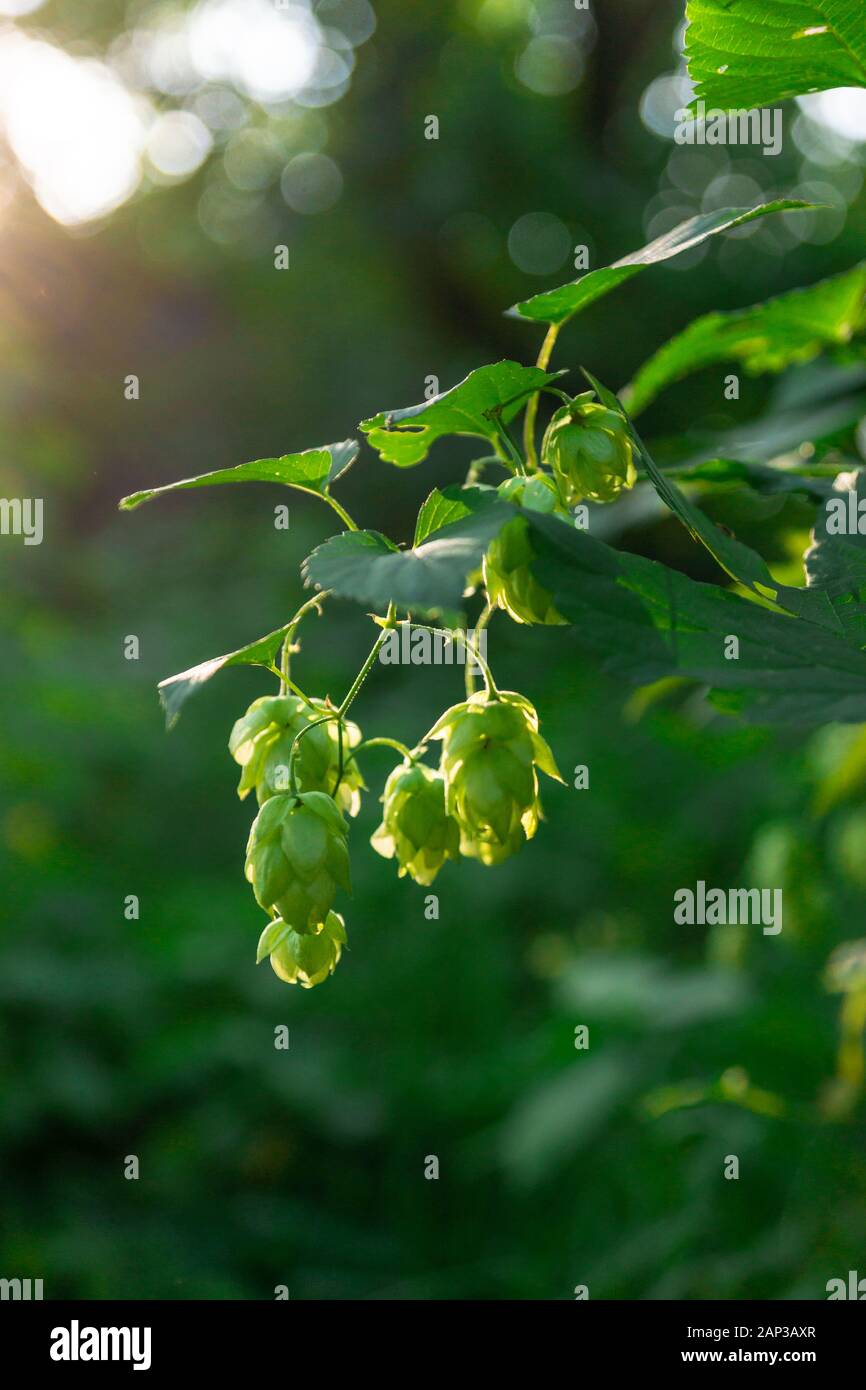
[
  {"x": 589, "y": 449},
  {"x": 261, "y": 742},
  {"x": 306, "y": 958},
  {"x": 297, "y": 857},
  {"x": 491, "y": 750},
  {"x": 416, "y": 828},
  {"x": 508, "y": 577}
]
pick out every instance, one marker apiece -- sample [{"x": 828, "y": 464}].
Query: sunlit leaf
[
  {"x": 556, "y": 306},
  {"x": 471, "y": 407},
  {"x": 748, "y": 53},
  {"x": 174, "y": 691},
  {"x": 311, "y": 471}
]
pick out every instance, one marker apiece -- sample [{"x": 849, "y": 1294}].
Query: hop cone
[
  {"x": 508, "y": 578},
  {"x": 491, "y": 750},
  {"x": 297, "y": 857},
  {"x": 303, "y": 959},
  {"x": 415, "y": 827},
  {"x": 261, "y": 742},
  {"x": 590, "y": 451}
]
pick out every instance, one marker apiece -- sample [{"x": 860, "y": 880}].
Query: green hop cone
[
  {"x": 589, "y": 449},
  {"x": 303, "y": 959},
  {"x": 491, "y": 750},
  {"x": 261, "y": 742},
  {"x": 297, "y": 857},
  {"x": 416, "y": 827},
  {"x": 508, "y": 577}
]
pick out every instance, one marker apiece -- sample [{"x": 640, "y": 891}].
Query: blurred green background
[{"x": 455, "y": 1037}]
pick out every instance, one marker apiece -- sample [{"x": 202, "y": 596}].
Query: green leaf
[
  {"x": 815, "y": 480},
  {"x": 779, "y": 432},
  {"x": 404, "y": 437},
  {"x": 367, "y": 567},
  {"x": 174, "y": 691},
  {"x": 767, "y": 337},
  {"x": 747, "y": 53},
  {"x": 450, "y": 504},
  {"x": 559, "y": 305},
  {"x": 835, "y": 563},
  {"x": 742, "y": 563},
  {"x": 311, "y": 471},
  {"x": 646, "y": 622}
]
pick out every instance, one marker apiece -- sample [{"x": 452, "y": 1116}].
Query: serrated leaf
[
  {"x": 404, "y": 437},
  {"x": 767, "y": 337},
  {"x": 742, "y": 563},
  {"x": 450, "y": 504},
  {"x": 835, "y": 562},
  {"x": 646, "y": 622},
  {"x": 174, "y": 691},
  {"x": 311, "y": 471},
  {"x": 559, "y": 305},
  {"x": 367, "y": 567},
  {"x": 747, "y": 53}
]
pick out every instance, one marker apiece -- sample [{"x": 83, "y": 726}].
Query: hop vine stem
[{"x": 543, "y": 361}]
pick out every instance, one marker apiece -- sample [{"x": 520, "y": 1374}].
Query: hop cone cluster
[
  {"x": 589, "y": 449},
  {"x": 261, "y": 743},
  {"x": 491, "y": 753},
  {"x": 297, "y": 858},
  {"x": 416, "y": 829},
  {"x": 508, "y": 578},
  {"x": 303, "y": 958}
]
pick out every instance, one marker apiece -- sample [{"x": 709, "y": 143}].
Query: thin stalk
[
  {"x": 339, "y": 713},
  {"x": 489, "y": 683},
  {"x": 481, "y": 624},
  {"x": 341, "y": 511},
  {"x": 543, "y": 361},
  {"x": 284, "y": 671}
]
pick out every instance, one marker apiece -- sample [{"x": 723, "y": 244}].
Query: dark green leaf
[
  {"x": 836, "y": 561},
  {"x": 748, "y": 53},
  {"x": 557, "y": 306},
  {"x": 404, "y": 436},
  {"x": 367, "y": 567},
  {"x": 645, "y": 621},
  {"x": 311, "y": 471},
  {"x": 814, "y": 480},
  {"x": 767, "y": 337},
  {"x": 738, "y": 560},
  {"x": 174, "y": 691}
]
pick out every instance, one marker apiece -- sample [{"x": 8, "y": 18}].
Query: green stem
[
  {"x": 512, "y": 448},
  {"x": 341, "y": 511},
  {"x": 477, "y": 467},
  {"x": 339, "y": 714},
  {"x": 286, "y": 654},
  {"x": 381, "y": 742},
  {"x": 481, "y": 624},
  {"x": 489, "y": 683},
  {"x": 290, "y": 685},
  {"x": 543, "y": 362}
]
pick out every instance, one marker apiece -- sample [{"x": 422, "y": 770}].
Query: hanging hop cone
[
  {"x": 261, "y": 743},
  {"x": 491, "y": 750},
  {"x": 508, "y": 577},
  {"x": 303, "y": 959},
  {"x": 416, "y": 828},
  {"x": 297, "y": 857},
  {"x": 589, "y": 449}
]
